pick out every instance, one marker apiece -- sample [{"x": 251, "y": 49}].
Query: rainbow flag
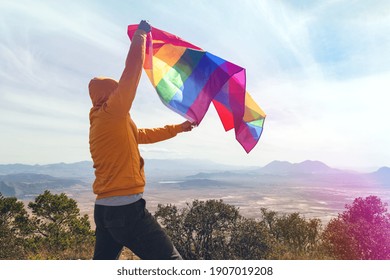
[{"x": 188, "y": 79}]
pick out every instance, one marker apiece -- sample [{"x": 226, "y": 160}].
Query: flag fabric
[{"x": 188, "y": 79}]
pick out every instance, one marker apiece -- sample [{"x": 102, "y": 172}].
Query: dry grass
[{"x": 128, "y": 255}]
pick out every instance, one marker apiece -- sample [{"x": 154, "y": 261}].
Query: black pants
[{"x": 134, "y": 227}]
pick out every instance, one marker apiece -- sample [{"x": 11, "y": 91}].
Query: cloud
[{"x": 330, "y": 40}]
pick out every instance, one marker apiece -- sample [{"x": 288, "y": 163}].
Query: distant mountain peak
[
  {"x": 384, "y": 170},
  {"x": 278, "y": 164},
  {"x": 312, "y": 166},
  {"x": 305, "y": 167},
  {"x": 313, "y": 162},
  {"x": 382, "y": 174}
]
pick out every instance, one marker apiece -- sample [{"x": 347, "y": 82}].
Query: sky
[{"x": 319, "y": 69}]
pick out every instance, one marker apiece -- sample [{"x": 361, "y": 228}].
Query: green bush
[{"x": 54, "y": 230}]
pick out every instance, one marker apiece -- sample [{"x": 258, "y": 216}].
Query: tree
[
  {"x": 173, "y": 221},
  {"x": 60, "y": 232},
  {"x": 295, "y": 237},
  {"x": 202, "y": 230},
  {"x": 251, "y": 240},
  {"x": 14, "y": 227},
  {"x": 360, "y": 232}
]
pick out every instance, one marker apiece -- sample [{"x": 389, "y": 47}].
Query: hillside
[
  {"x": 23, "y": 185},
  {"x": 79, "y": 170},
  {"x": 382, "y": 175}
]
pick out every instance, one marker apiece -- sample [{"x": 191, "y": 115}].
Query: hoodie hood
[{"x": 100, "y": 90}]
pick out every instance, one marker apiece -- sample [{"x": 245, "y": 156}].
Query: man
[{"x": 120, "y": 214}]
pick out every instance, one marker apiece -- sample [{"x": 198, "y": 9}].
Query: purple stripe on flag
[{"x": 200, "y": 106}]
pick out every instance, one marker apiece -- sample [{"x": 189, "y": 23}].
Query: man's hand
[
  {"x": 187, "y": 126},
  {"x": 145, "y": 26}
]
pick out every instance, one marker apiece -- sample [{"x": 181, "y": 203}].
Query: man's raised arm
[{"x": 131, "y": 75}]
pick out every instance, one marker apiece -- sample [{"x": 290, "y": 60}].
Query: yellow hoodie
[{"x": 113, "y": 136}]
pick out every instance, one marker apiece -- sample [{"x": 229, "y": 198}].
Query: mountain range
[
  {"x": 31, "y": 184},
  {"x": 84, "y": 169},
  {"x": 81, "y": 170},
  {"x": 306, "y": 171},
  {"x": 21, "y": 179},
  {"x": 305, "y": 167}
]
